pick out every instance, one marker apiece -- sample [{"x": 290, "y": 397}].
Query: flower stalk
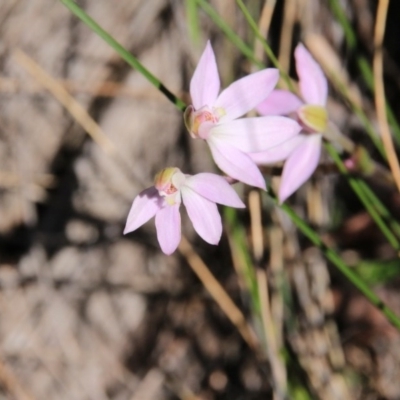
[{"x": 160, "y": 190}]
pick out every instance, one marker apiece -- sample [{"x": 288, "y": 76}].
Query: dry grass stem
[
  {"x": 78, "y": 112},
  {"x": 285, "y": 46},
  {"x": 380, "y": 102},
  {"x": 276, "y": 271},
  {"x": 334, "y": 135},
  {"x": 264, "y": 24},
  {"x": 332, "y": 65},
  {"x": 218, "y": 293},
  {"x": 10, "y": 180},
  {"x": 150, "y": 386},
  {"x": 98, "y": 89},
  {"x": 256, "y": 224},
  {"x": 277, "y": 366},
  {"x": 12, "y": 385},
  {"x": 238, "y": 262}
]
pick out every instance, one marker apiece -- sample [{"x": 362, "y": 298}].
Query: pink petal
[
  {"x": 205, "y": 128},
  {"x": 205, "y": 85},
  {"x": 277, "y": 153},
  {"x": 246, "y": 93},
  {"x": 312, "y": 81},
  {"x": 279, "y": 102},
  {"x": 236, "y": 164},
  {"x": 204, "y": 215},
  {"x": 168, "y": 224},
  {"x": 256, "y": 134},
  {"x": 214, "y": 188},
  {"x": 144, "y": 207},
  {"x": 300, "y": 166}
]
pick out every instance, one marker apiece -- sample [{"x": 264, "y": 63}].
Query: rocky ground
[{"x": 86, "y": 313}]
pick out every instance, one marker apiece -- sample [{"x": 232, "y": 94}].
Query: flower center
[
  {"x": 194, "y": 120},
  {"x": 168, "y": 182},
  {"x": 314, "y": 118}
]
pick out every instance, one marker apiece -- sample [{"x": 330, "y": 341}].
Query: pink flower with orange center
[
  {"x": 214, "y": 117},
  {"x": 302, "y": 152},
  {"x": 199, "y": 193}
]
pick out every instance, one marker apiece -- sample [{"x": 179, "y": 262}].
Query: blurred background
[{"x": 86, "y": 313}]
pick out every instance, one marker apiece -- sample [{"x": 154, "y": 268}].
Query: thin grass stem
[
  {"x": 230, "y": 34},
  {"x": 359, "y": 190},
  {"x": 312, "y": 235},
  {"x": 253, "y": 25},
  {"x": 338, "y": 262},
  {"x": 124, "y": 53}
]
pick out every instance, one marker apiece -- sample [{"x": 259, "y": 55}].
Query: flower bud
[{"x": 168, "y": 183}]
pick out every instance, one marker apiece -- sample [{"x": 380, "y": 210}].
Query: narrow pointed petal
[
  {"x": 236, "y": 164},
  {"x": 256, "y": 134},
  {"x": 279, "y": 102},
  {"x": 246, "y": 93},
  {"x": 168, "y": 224},
  {"x": 205, "y": 84},
  {"x": 144, "y": 207},
  {"x": 204, "y": 215},
  {"x": 277, "y": 153},
  {"x": 312, "y": 81},
  {"x": 214, "y": 188},
  {"x": 300, "y": 166}
]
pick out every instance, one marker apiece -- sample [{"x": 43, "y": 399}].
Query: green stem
[
  {"x": 192, "y": 21},
  {"x": 380, "y": 207},
  {"x": 238, "y": 235},
  {"x": 368, "y": 77},
  {"x": 307, "y": 230},
  {"x": 353, "y": 181},
  {"x": 253, "y": 25},
  {"x": 125, "y": 54},
  {"x": 363, "y": 118},
  {"x": 362, "y": 63},
  {"x": 359, "y": 189},
  {"x": 230, "y": 34},
  {"x": 335, "y": 259}
]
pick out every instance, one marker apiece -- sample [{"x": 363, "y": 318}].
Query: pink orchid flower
[
  {"x": 199, "y": 194},
  {"x": 213, "y": 118},
  {"x": 303, "y": 151}
]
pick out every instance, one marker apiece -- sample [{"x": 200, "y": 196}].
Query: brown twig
[
  {"x": 257, "y": 236},
  {"x": 9, "y": 180},
  {"x": 380, "y": 103},
  {"x": 263, "y": 26},
  {"x": 73, "y": 107},
  {"x": 99, "y": 89},
  {"x": 218, "y": 293},
  {"x": 277, "y": 367},
  {"x": 77, "y": 111},
  {"x": 285, "y": 45},
  {"x": 12, "y": 385}
]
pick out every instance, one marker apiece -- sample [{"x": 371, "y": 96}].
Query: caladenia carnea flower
[
  {"x": 302, "y": 152},
  {"x": 199, "y": 194},
  {"x": 214, "y": 117}
]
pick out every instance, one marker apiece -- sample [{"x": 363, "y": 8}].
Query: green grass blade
[
  {"x": 363, "y": 64},
  {"x": 337, "y": 261},
  {"x": 125, "y": 54},
  {"x": 193, "y": 21},
  {"x": 358, "y": 188},
  {"x": 381, "y": 208},
  {"x": 254, "y": 27},
  {"x": 230, "y": 34},
  {"x": 340, "y": 15},
  {"x": 312, "y": 235}
]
